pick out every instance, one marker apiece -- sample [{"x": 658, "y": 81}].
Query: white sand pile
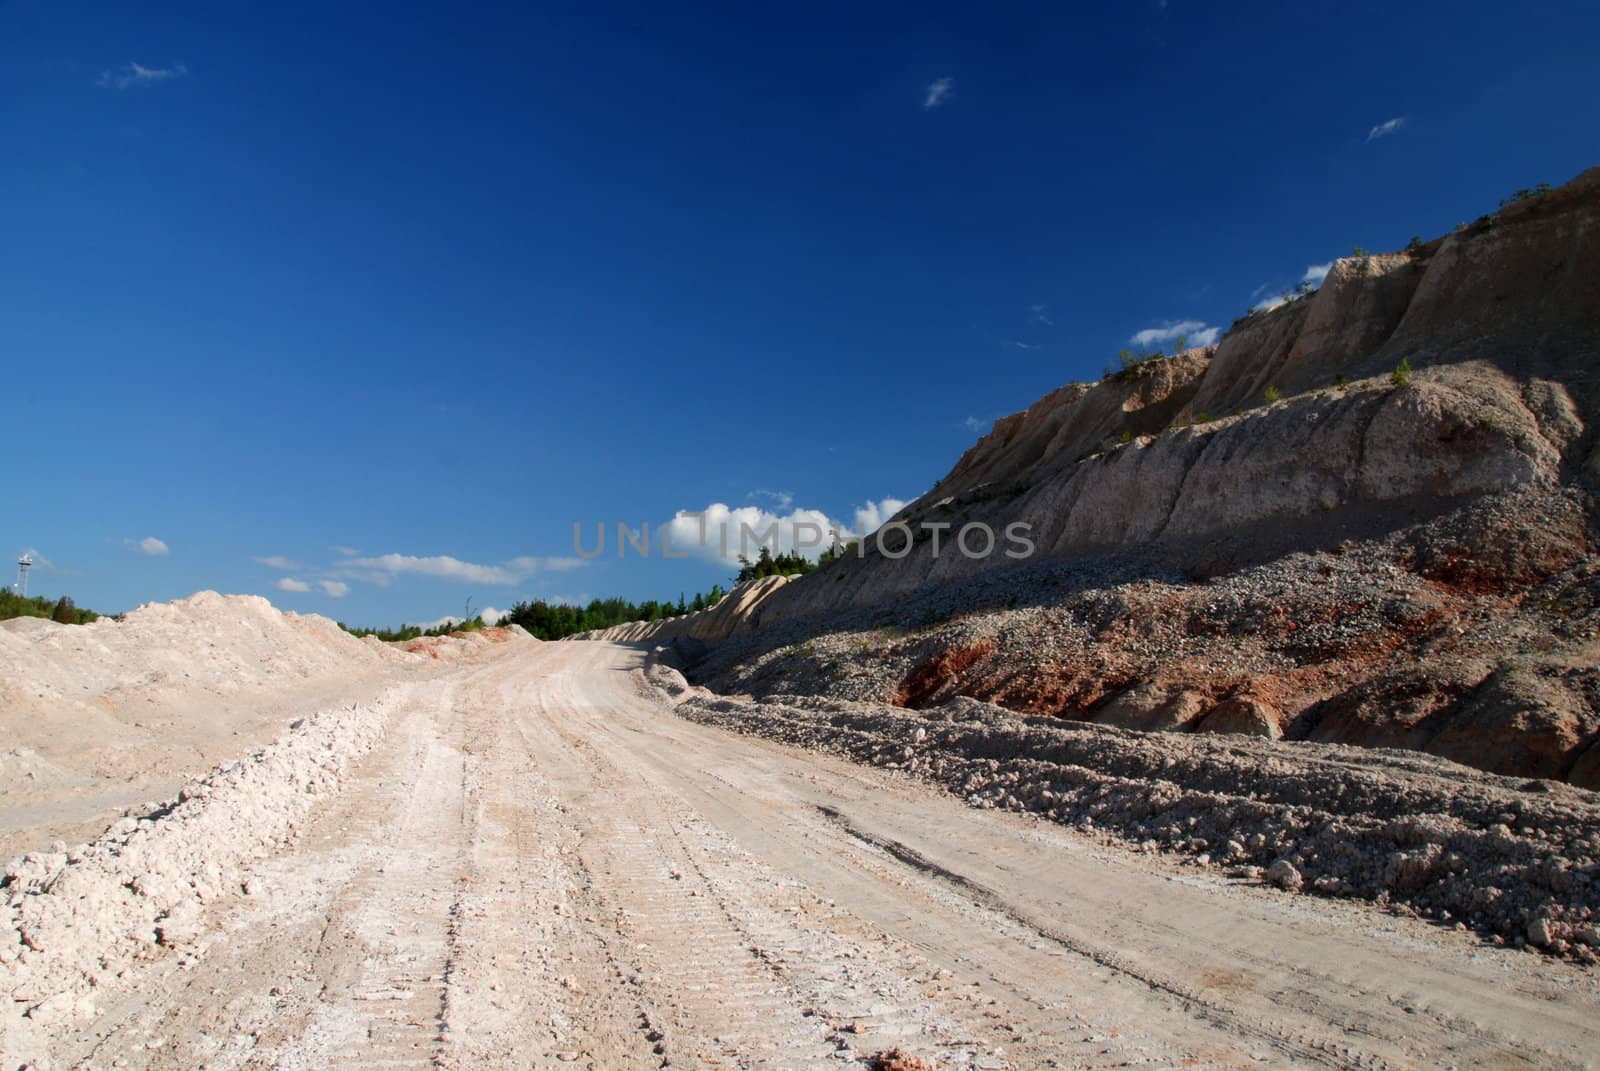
[
  {"x": 220, "y": 643},
  {"x": 99, "y": 717}
]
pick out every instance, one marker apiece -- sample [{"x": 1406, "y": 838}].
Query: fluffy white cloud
[
  {"x": 289, "y": 583},
  {"x": 278, "y": 561},
  {"x": 151, "y": 547},
  {"x": 721, "y": 533},
  {"x": 1316, "y": 273},
  {"x": 937, "y": 93},
  {"x": 336, "y": 589},
  {"x": 1385, "y": 128},
  {"x": 444, "y": 566},
  {"x": 874, "y": 515},
  {"x": 1194, "y": 332},
  {"x": 132, "y": 75}
]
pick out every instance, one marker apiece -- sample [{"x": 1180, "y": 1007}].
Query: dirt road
[{"x": 541, "y": 866}]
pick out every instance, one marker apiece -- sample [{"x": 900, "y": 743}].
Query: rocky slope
[{"x": 1358, "y": 560}]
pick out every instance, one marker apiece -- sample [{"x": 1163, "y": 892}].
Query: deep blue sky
[{"x": 427, "y": 281}]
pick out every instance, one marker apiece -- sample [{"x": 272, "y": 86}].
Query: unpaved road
[{"x": 541, "y": 866}]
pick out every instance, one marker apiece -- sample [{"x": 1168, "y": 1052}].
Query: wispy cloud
[
  {"x": 1018, "y": 344},
  {"x": 149, "y": 546},
  {"x": 1385, "y": 128},
  {"x": 976, "y": 426},
  {"x": 345, "y": 552},
  {"x": 135, "y": 75},
  {"x": 1194, "y": 333},
  {"x": 289, "y": 583},
  {"x": 40, "y": 562},
  {"x": 782, "y": 499},
  {"x": 446, "y": 567},
  {"x": 937, "y": 93},
  {"x": 278, "y": 561},
  {"x": 334, "y": 588},
  {"x": 1313, "y": 278},
  {"x": 1040, "y": 314}
]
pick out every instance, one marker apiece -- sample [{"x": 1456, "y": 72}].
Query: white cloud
[
  {"x": 442, "y": 565},
  {"x": 937, "y": 93},
  {"x": 289, "y": 583},
  {"x": 1040, "y": 314},
  {"x": 1385, "y": 128},
  {"x": 334, "y": 588},
  {"x": 345, "y": 552},
  {"x": 1316, "y": 273},
  {"x": 491, "y": 616},
  {"x": 728, "y": 533},
  {"x": 133, "y": 75},
  {"x": 1195, "y": 333},
  {"x": 278, "y": 561},
  {"x": 151, "y": 547},
  {"x": 979, "y": 427},
  {"x": 1015, "y": 344}
]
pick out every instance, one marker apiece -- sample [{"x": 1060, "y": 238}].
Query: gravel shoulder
[{"x": 539, "y": 864}]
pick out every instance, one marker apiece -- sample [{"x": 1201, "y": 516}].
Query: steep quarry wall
[{"x": 1500, "y": 320}]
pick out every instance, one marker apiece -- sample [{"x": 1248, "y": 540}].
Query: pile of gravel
[
  {"x": 1393, "y": 642},
  {"x": 1515, "y": 860}
]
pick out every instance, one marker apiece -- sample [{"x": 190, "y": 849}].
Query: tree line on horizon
[
  {"x": 63, "y": 611},
  {"x": 558, "y": 620}
]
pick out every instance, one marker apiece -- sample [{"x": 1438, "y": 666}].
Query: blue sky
[{"x": 378, "y": 300}]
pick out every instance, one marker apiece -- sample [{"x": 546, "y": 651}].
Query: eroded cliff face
[
  {"x": 1368, "y": 561},
  {"x": 1500, "y": 322}
]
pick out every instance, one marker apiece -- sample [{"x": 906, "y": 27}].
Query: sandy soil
[{"x": 540, "y": 865}]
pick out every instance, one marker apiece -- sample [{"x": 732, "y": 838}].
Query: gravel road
[{"x": 540, "y": 865}]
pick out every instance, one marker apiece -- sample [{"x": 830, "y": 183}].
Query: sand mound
[{"x": 103, "y": 716}]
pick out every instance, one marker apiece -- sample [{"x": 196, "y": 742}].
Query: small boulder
[
  {"x": 1151, "y": 708},
  {"x": 1285, "y": 875},
  {"x": 1244, "y": 717}
]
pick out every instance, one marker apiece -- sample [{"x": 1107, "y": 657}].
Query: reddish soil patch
[{"x": 927, "y": 681}]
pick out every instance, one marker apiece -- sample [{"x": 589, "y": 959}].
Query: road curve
[{"x": 541, "y": 866}]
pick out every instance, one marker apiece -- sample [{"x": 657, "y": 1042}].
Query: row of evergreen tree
[
  {"x": 553, "y": 621},
  {"x": 61, "y": 610}
]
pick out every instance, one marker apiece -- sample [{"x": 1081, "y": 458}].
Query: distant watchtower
[{"x": 24, "y": 563}]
